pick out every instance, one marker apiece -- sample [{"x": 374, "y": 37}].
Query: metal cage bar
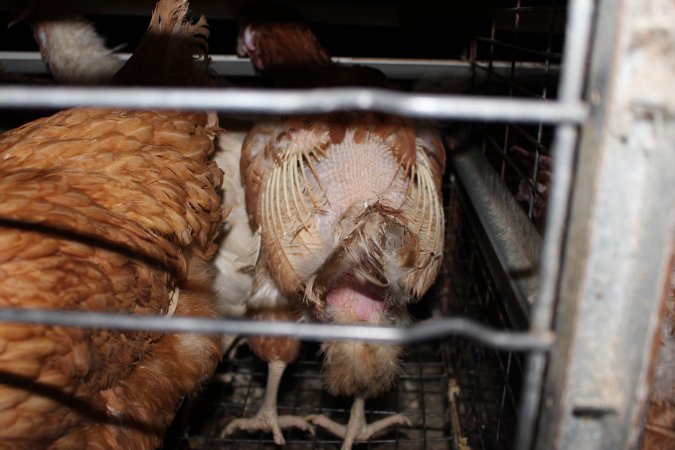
[
  {"x": 297, "y": 101},
  {"x": 25, "y": 62},
  {"x": 575, "y": 53},
  {"x": 597, "y": 282},
  {"x": 621, "y": 234},
  {"x": 422, "y": 331}
]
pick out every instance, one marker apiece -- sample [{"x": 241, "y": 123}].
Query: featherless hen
[
  {"x": 349, "y": 209},
  {"x": 110, "y": 211}
]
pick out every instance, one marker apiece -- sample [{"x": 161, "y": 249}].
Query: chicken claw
[
  {"x": 357, "y": 430},
  {"x": 267, "y": 419}
]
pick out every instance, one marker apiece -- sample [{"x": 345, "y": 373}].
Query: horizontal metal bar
[
  {"x": 296, "y": 101},
  {"x": 524, "y": 9},
  {"x": 546, "y": 54},
  {"x": 508, "y": 79},
  {"x": 535, "y": 142},
  {"x": 422, "y": 331},
  {"x": 394, "y": 68}
]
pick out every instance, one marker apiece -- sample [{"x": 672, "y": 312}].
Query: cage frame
[{"x": 574, "y": 250}]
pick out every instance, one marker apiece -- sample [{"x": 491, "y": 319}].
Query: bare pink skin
[{"x": 356, "y": 299}]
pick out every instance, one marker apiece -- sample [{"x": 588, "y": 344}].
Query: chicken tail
[{"x": 173, "y": 51}]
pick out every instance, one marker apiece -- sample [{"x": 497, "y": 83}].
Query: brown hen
[
  {"x": 75, "y": 53},
  {"x": 109, "y": 210},
  {"x": 348, "y": 206},
  {"x": 285, "y": 51}
]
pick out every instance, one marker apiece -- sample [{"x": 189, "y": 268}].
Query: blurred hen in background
[
  {"x": 69, "y": 44},
  {"x": 286, "y": 53}
]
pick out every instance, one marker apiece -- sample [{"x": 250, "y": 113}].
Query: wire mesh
[
  {"x": 521, "y": 31},
  {"x": 486, "y": 383},
  {"x": 421, "y": 395},
  {"x": 458, "y": 395}
]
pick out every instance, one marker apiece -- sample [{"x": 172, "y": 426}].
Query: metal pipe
[
  {"x": 296, "y": 101},
  {"x": 421, "y": 331},
  {"x": 394, "y": 68},
  {"x": 575, "y": 54},
  {"x": 512, "y": 238},
  {"x": 549, "y": 272}
]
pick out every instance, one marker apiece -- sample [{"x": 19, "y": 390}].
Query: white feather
[{"x": 240, "y": 246}]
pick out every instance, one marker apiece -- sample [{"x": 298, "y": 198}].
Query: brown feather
[
  {"x": 360, "y": 369},
  {"x": 283, "y": 48},
  {"x": 89, "y": 235}
]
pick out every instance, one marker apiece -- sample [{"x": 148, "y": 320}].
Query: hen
[
  {"x": 238, "y": 246},
  {"x": 70, "y": 46},
  {"x": 285, "y": 51},
  {"x": 118, "y": 211},
  {"x": 348, "y": 206},
  {"x": 74, "y": 52}
]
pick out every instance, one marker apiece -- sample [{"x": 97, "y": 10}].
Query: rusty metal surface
[{"x": 659, "y": 430}]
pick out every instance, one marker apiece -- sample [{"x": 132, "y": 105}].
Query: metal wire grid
[
  {"x": 566, "y": 112},
  {"x": 569, "y": 110},
  {"x": 421, "y": 394},
  {"x": 521, "y": 155},
  {"x": 489, "y": 381},
  {"x": 485, "y": 382},
  {"x": 522, "y": 30}
]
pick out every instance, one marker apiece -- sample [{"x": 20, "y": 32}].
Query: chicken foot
[
  {"x": 357, "y": 429},
  {"x": 267, "y": 418}
]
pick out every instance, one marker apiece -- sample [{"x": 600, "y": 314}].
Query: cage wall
[{"x": 458, "y": 393}]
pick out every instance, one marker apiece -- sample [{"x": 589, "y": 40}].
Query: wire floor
[{"x": 237, "y": 390}]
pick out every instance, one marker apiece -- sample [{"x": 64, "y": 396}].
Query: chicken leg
[
  {"x": 278, "y": 352},
  {"x": 357, "y": 429},
  {"x": 267, "y": 419}
]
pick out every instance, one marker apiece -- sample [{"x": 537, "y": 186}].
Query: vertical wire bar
[
  {"x": 301, "y": 382},
  {"x": 400, "y": 390},
  {"x": 512, "y": 72},
  {"x": 544, "y": 94},
  {"x": 542, "y": 313},
  {"x": 423, "y": 403},
  {"x": 502, "y": 425},
  {"x": 577, "y": 39}
]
